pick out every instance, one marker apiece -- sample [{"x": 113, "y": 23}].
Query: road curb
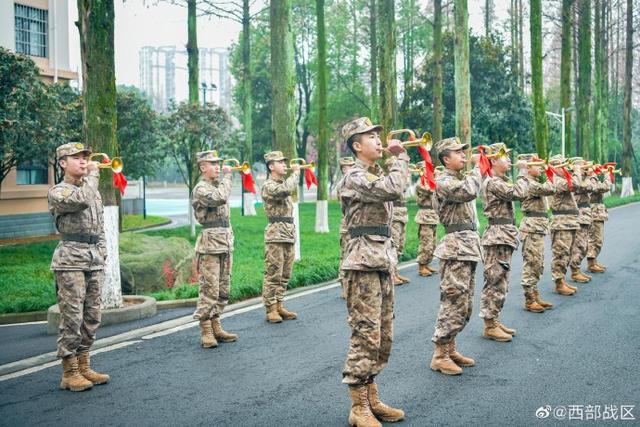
[{"x": 29, "y": 316}]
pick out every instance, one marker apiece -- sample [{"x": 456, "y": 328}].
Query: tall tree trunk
[
  {"x": 387, "y": 64},
  {"x": 437, "y": 72},
  {"x": 96, "y": 26},
  {"x": 373, "y": 53},
  {"x": 192, "y": 66},
  {"x": 597, "y": 84},
  {"x": 604, "y": 105},
  {"x": 584, "y": 78},
  {"x": 513, "y": 27},
  {"x": 540, "y": 126},
  {"x": 247, "y": 102},
  {"x": 521, "y": 43},
  {"x": 488, "y": 15},
  {"x": 574, "y": 46},
  {"x": 565, "y": 71},
  {"x": 461, "y": 75},
  {"x": 627, "y": 149},
  {"x": 322, "y": 212}
]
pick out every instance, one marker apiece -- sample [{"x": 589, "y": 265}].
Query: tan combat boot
[
  {"x": 493, "y": 331},
  {"x": 423, "y": 270},
  {"x": 601, "y": 266},
  {"x": 594, "y": 267},
  {"x": 284, "y": 313},
  {"x": 530, "y": 303},
  {"x": 433, "y": 270},
  {"x": 361, "y": 415},
  {"x": 570, "y": 286},
  {"x": 219, "y": 333},
  {"x": 577, "y": 276},
  {"x": 562, "y": 288},
  {"x": 510, "y": 331},
  {"x": 441, "y": 361},
  {"x": 402, "y": 278},
  {"x": 383, "y": 412},
  {"x": 459, "y": 359},
  {"x": 71, "y": 378},
  {"x": 272, "y": 314},
  {"x": 85, "y": 370},
  {"x": 207, "y": 340},
  {"x": 545, "y": 304}
]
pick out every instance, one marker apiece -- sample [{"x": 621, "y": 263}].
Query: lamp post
[
  {"x": 242, "y": 136},
  {"x": 560, "y": 118},
  {"x": 211, "y": 87}
]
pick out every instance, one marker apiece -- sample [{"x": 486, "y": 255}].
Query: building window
[
  {"x": 31, "y": 30},
  {"x": 32, "y": 173}
]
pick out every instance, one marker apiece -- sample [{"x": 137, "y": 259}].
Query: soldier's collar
[
  {"x": 451, "y": 172},
  {"x": 73, "y": 181},
  {"x": 374, "y": 168}
]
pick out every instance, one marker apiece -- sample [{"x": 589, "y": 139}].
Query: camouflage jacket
[
  {"x": 563, "y": 200},
  {"x": 598, "y": 188},
  {"x": 343, "y": 224},
  {"x": 211, "y": 209},
  {"x": 498, "y": 194},
  {"x": 582, "y": 194},
  {"x": 535, "y": 202},
  {"x": 276, "y": 195},
  {"x": 366, "y": 199},
  {"x": 77, "y": 208},
  {"x": 427, "y": 211},
  {"x": 454, "y": 192},
  {"x": 400, "y": 212}
]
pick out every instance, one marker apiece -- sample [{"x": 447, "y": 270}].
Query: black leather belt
[
  {"x": 536, "y": 214},
  {"x": 566, "y": 212},
  {"x": 219, "y": 223},
  {"x": 370, "y": 230},
  {"x": 400, "y": 204},
  {"x": 452, "y": 228},
  {"x": 501, "y": 221},
  {"x": 274, "y": 219},
  {"x": 82, "y": 238},
  {"x": 584, "y": 205}
]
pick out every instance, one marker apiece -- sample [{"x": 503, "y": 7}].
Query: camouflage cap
[
  {"x": 71, "y": 148},
  {"x": 208, "y": 156},
  {"x": 529, "y": 157},
  {"x": 558, "y": 161},
  {"x": 452, "y": 144},
  {"x": 498, "y": 148},
  {"x": 359, "y": 125},
  {"x": 346, "y": 161},
  {"x": 576, "y": 160},
  {"x": 274, "y": 156}
]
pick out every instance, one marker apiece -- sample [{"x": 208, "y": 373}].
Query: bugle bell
[
  {"x": 424, "y": 141},
  {"x": 538, "y": 162},
  {"x": 302, "y": 162},
  {"x": 236, "y": 166},
  {"x": 114, "y": 164}
]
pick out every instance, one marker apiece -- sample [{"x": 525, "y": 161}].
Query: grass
[
  {"x": 26, "y": 283},
  {"x": 135, "y": 222}
]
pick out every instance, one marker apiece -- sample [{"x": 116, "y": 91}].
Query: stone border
[{"x": 26, "y": 317}]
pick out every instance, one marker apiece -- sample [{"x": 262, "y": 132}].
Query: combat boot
[
  {"x": 562, "y": 288},
  {"x": 441, "y": 361},
  {"x": 433, "y": 270},
  {"x": 219, "y": 333},
  {"x": 459, "y": 359},
  {"x": 402, "y": 278},
  {"x": 361, "y": 415},
  {"x": 382, "y": 412},
  {"x": 545, "y": 304},
  {"x": 493, "y": 331},
  {"x": 284, "y": 313},
  {"x": 423, "y": 270},
  {"x": 71, "y": 378},
  {"x": 272, "y": 314},
  {"x": 86, "y": 371},
  {"x": 570, "y": 286},
  {"x": 601, "y": 266},
  {"x": 510, "y": 331},
  {"x": 207, "y": 340},
  {"x": 594, "y": 267},
  {"x": 530, "y": 303},
  {"x": 577, "y": 276}
]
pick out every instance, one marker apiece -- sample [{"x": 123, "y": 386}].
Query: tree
[
  {"x": 437, "y": 71},
  {"x": 248, "y": 202},
  {"x": 322, "y": 212},
  {"x": 461, "y": 55},
  {"x": 387, "y": 63},
  {"x": 488, "y": 16},
  {"x": 96, "y": 24},
  {"x": 540, "y": 125},
  {"x": 373, "y": 59},
  {"x": 627, "y": 150},
  {"x": 565, "y": 71},
  {"x": 583, "y": 100}
]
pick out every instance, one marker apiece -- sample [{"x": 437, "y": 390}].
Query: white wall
[{"x": 7, "y": 25}]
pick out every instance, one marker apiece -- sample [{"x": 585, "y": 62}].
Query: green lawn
[
  {"x": 26, "y": 284},
  {"x": 134, "y": 222}
]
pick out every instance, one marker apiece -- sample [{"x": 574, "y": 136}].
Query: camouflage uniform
[
  {"x": 533, "y": 227},
  {"x": 598, "y": 214},
  {"x": 279, "y": 235},
  {"x": 399, "y": 220},
  {"x": 582, "y": 196},
  {"x": 78, "y": 261},
  {"x": 344, "y": 232},
  {"x": 427, "y": 220},
  {"x": 214, "y": 247},
  {"x": 564, "y": 223},
  {"x": 459, "y": 251},
  {"x": 370, "y": 256},
  {"x": 499, "y": 240}
]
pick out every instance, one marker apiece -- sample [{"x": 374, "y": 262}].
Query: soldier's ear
[{"x": 62, "y": 162}]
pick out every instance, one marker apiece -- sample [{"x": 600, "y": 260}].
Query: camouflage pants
[
  {"x": 398, "y": 236},
  {"x": 344, "y": 238},
  {"x": 497, "y": 264},
  {"x": 78, "y": 295},
  {"x": 457, "y": 284},
  {"x": 596, "y": 239},
  {"x": 579, "y": 247},
  {"x": 561, "y": 242},
  {"x": 214, "y": 275},
  {"x": 278, "y": 264},
  {"x": 370, "y": 302},
  {"x": 426, "y": 243},
  {"x": 533, "y": 260}
]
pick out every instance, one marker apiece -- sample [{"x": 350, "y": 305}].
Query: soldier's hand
[
  {"x": 475, "y": 158},
  {"x": 521, "y": 164},
  {"x": 395, "y": 147},
  {"x": 226, "y": 170},
  {"x": 295, "y": 167},
  {"x": 92, "y": 166}
]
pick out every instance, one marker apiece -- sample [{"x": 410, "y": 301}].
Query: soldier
[
  {"x": 533, "y": 228},
  {"x": 369, "y": 259},
  {"x": 427, "y": 221},
  {"x": 598, "y": 215},
  {"x": 78, "y": 263},
  {"x": 564, "y": 225},
  {"x": 398, "y": 229},
  {"x": 500, "y": 238},
  {"x": 214, "y": 248},
  {"x": 345, "y": 164},
  {"x": 279, "y": 235},
  {"x": 582, "y": 195},
  {"x": 459, "y": 252}
]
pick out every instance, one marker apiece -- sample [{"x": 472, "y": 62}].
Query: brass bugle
[
  {"x": 236, "y": 166},
  {"x": 424, "y": 141},
  {"x": 302, "y": 162},
  {"x": 614, "y": 171},
  {"x": 533, "y": 163},
  {"x": 114, "y": 164},
  {"x": 487, "y": 150},
  {"x": 416, "y": 169}
]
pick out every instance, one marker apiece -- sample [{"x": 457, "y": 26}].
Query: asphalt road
[{"x": 583, "y": 352}]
